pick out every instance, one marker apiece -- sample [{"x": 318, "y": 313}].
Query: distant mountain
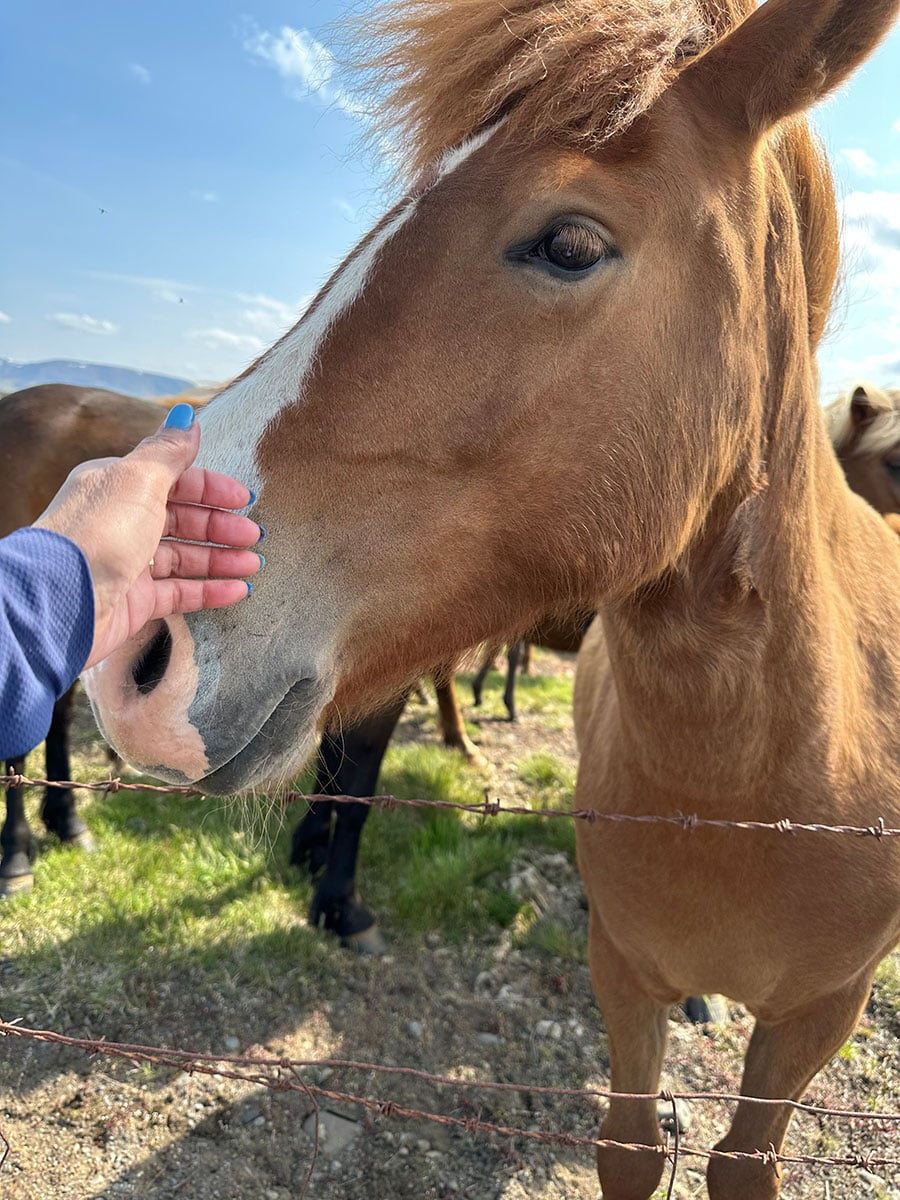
[{"x": 14, "y": 376}]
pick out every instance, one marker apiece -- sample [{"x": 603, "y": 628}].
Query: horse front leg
[
  {"x": 452, "y": 725},
  {"x": 781, "y": 1060},
  {"x": 515, "y": 653},
  {"x": 636, "y": 1026},
  {"x": 16, "y": 840},
  {"x": 349, "y": 764},
  {"x": 58, "y": 808}
]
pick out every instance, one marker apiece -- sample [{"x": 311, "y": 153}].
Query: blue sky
[{"x": 225, "y": 159}]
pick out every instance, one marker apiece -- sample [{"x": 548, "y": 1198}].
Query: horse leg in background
[
  {"x": 348, "y": 764},
  {"x": 16, "y": 840},
  {"x": 58, "y": 811},
  {"x": 515, "y": 653},
  {"x": 526, "y": 658},
  {"x": 452, "y": 725},
  {"x": 486, "y": 665}
]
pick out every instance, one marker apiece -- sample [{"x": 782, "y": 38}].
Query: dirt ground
[{"x": 86, "y": 1129}]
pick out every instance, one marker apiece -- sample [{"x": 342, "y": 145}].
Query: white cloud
[
  {"x": 221, "y": 339},
  {"x": 347, "y": 209},
  {"x": 306, "y": 66},
  {"x": 206, "y": 197},
  {"x": 861, "y": 161},
  {"x": 5, "y": 318},
  {"x": 875, "y": 215},
  {"x": 153, "y": 283},
  {"x": 141, "y": 74},
  {"x": 267, "y": 316},
  {"x": 83, "y": 323}
]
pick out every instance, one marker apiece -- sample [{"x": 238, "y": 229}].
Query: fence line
[
  {"x": 283, "y": 1075},
  {"x": 490, "y": 808}
]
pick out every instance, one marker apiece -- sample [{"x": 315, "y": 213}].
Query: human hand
[{"x": 119, "y": 510}]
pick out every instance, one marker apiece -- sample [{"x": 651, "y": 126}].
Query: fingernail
[
  {"x": 262, "y": 533},
  {"x": 262, "y": 560},
  {"x": 180, "y": 417},
  {"x": 252, "y": 499},
  {"x": 249, "y": 586}
]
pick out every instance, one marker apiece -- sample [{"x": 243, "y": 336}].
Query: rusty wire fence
[{"x": 287, "y": 1075}]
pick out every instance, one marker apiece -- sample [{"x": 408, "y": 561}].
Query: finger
[
  {"x": 190, "y": 523},
  {"x": 199, "y": 486},
  {"x": 191, "y": 595},
  {"x": 170, "y": 450},
  {"x": 182, "y": 560}
]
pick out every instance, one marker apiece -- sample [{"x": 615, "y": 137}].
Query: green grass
[
  {"x": 183, "y": 888},
  {"x": 549, "y": 696}
]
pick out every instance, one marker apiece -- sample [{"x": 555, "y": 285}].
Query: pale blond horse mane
[{"x": 880, "y": 435}]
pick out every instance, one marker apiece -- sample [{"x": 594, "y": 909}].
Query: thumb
[{"x": 173, "y": 447}]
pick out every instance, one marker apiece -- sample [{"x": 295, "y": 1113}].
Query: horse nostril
[{"x": 152, "y": 662}]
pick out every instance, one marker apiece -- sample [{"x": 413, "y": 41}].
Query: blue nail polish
[
  {"x": 249, "y": 586},
  {"x": 262, "y": 561},
  {"x": 252, "y": 499},
  {"x": 262, "y": 533},
  {"x": 180, "y": 417}
]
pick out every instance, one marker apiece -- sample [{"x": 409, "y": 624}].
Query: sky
[{"x": 178, "y": 179}]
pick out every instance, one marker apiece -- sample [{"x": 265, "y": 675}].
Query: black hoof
[
  {"x": 369, "y": 942},
  {"x": 706, "y": 1010},
  {"x": 16, "y": 885},
  {"x": 84, "y": 842}
]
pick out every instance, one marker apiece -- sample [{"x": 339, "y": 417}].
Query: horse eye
[
  {"x": 892, "y": 466},
  {"x": 571, "y": 247}
]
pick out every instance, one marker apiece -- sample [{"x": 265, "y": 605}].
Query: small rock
[
  {"x": 232, "y": 1044},
  {"x": 548, "y": 1029},
  {"x": 667, "y": 1118},
  {"x": 248, "y": 1114},
  {"x": 423, "y": 1145},
  {"x": 414, "y": 1029},
  {"x": 432, "y": 939},
  {"x": 507, "y": 998},
  {"x": 335, "y": 1131},
  {"x": 485, "y": 982},
  {"x": 403, "y": 1151},
  {"x": 490, "y": 1039}
]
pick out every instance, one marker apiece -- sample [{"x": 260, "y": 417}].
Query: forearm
[{"x": 46, "y": 631}]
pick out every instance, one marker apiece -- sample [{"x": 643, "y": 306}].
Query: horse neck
[{"x": 742, "y": 661}]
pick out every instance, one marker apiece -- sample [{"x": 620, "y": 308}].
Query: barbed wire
[
  {"x": 281, "y": 1074},
  {"x": 488, "y": 808}
]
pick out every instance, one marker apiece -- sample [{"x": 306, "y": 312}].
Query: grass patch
[{"x": 196, "y": 890}]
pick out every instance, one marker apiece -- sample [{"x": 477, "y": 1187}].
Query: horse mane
[
  {"x": 581, "y": 71},
  {"x": 436, "y": 73},
  {"x": 881, "y": 434}
]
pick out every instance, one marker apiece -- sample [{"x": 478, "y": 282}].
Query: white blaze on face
[{"x": 234, "y": 424}]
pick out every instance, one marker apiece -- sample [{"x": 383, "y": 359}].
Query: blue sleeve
[{"x": 46, "y": 631}]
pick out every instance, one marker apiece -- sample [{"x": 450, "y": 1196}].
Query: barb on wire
[{"x": 493, "y": 808}]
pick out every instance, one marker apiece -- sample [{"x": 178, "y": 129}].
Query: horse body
[
  {"x": 624, "y": 265},
  {"x": 46, "y": 431}
]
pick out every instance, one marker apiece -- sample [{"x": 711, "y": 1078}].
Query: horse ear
[
  {"x": 784, "y": 57},
  {"x": 866, "y": 404}
]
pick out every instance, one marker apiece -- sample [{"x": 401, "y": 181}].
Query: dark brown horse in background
[{"x": 45, "y": 432}]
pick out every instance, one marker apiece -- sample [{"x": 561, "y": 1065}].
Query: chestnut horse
[{"x": 600, "y": 298}]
